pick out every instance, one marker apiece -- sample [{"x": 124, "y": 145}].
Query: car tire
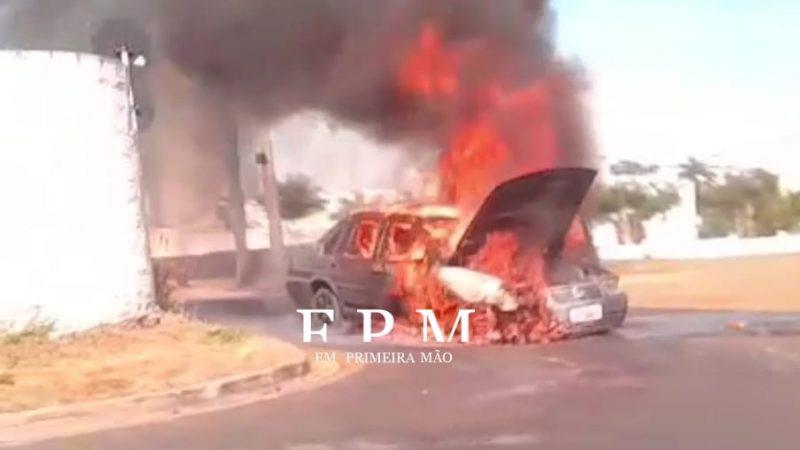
[{"x": 325, "y": 298}]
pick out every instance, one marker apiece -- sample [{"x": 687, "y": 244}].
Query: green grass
[
  {"x": 224, "y": 336},
  {"x": 32, "y": 333}
]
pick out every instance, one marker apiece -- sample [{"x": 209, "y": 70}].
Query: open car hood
[{"x": 538, "y": 208}]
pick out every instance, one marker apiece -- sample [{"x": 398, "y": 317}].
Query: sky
[{"x": 718, "y": 80}]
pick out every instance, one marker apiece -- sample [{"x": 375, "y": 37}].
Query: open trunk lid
[{"x": 538, "y": 208}]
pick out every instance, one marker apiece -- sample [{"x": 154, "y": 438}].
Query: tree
[
  {"x": 627, "y": 206},
  {"x": 696, "y": 171},
  {"x": 748, "y": 204},
  {"x": 627, "y": 167},
  {"x": 789, "y": 217},
  {"x": 299, "y": 197}
]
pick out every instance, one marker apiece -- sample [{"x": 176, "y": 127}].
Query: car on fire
[{"x": 354, "y": 265}]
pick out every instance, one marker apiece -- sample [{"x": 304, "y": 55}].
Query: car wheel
[{"x": 325, "y": 298}]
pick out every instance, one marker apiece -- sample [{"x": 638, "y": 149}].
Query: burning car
[{"x": 523, "y": 260}]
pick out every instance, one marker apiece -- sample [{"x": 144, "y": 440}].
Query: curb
[{"x": 171, "y": 401}]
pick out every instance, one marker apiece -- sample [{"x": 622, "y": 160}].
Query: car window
[
  {"x": 332, "y": 237},
  {"x": 402, "y": 237},
  {"x": 363, "y": 238},
  {"x": 440, "y": 228}
]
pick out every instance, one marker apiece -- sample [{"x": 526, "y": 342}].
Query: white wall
[
  {"x": 703, "y": 248},
  {"x": 72, "y": 234},
  {"x": 674, "y": 235}
]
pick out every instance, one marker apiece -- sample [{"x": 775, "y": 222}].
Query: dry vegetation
[
  {"x": 36, "y": 371},
  {"x": 765, "y": 283}
]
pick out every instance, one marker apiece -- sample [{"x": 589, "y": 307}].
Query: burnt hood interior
[{"x": 538, "y": 207}]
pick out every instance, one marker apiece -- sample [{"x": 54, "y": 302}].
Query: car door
[
  {"x": 359, "y": 278},
  {"x": 326, "y": 261}
]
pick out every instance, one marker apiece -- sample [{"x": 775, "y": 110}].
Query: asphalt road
[{"x": 665, "y": 381}]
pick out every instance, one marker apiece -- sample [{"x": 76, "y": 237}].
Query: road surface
[{"x": 666, "y": 381}]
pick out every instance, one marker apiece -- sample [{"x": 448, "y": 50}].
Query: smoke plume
[
  {"x": 76, "y": 25},
  {"x": 269, "y": 59},
  {"x": 276, "y": 57}
]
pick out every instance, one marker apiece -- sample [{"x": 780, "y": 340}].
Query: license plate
[{"x": 588, "y": 313}]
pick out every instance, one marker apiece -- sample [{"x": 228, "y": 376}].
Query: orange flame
[
  {"x": 430, "y": 71},
  {"x": 471, "y": 163},
  {"x": 498, "y": 130}
]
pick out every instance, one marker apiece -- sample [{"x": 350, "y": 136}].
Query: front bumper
[{"x": 614, "y": 306}]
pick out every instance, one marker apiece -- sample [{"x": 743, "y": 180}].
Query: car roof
[{"x": 424, "y": 211}]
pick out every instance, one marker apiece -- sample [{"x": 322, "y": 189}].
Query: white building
[
  {"x": 73, "y": 236},
  {"x": 678, "y": 224}
]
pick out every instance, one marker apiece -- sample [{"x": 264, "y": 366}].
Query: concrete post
[{"x": 265, "y": 161}]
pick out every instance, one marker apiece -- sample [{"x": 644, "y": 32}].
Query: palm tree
[
  {"x": 699, "y": 173},
  {"x": 628, "y": 167}
]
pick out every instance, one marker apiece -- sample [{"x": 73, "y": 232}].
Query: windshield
[{"x": 408, "y": 237}]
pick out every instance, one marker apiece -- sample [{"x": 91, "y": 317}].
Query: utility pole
[
  {"x": 265, "y": 160},
  {"x": 237, "y": 219}
]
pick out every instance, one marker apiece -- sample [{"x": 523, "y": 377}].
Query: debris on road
[{"x": 767, "y": 327}]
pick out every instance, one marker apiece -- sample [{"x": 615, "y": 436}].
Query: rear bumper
[{"x": 615, "y": 309}]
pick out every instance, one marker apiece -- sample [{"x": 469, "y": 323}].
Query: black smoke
[
  {"x": 275, "y": 57},
  {"x": 267, "y": 59},
  {"x": 76, "y": 25},
  {"x": 272, "y": 58}
]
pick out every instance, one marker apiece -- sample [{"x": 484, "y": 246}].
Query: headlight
[
  {"x": 609, "y": 284},
  {"x": 559, "y": 294},
  {"x": 576, "y": 291},
  {"x": 477, "y": 287}
]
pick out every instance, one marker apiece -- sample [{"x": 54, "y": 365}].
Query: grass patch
[
  {"x": 32, "y": 333},
  {"x": 130, "y": 358},
  {"x": 224, "y": 336},
  {"x": 756, "y": 283}
]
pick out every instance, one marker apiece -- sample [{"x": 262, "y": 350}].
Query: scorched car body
[{"x": 353, "y": 265}]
